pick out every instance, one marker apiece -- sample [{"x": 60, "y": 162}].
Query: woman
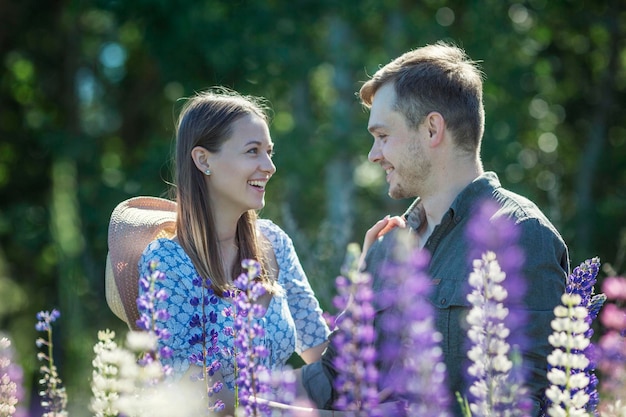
[{"x": 223, "y": 163}]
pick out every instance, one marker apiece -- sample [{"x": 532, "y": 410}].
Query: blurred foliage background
[{"x": 88, "y": 98}]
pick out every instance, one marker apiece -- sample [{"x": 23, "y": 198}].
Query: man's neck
[{"x": 450, "y": 186}]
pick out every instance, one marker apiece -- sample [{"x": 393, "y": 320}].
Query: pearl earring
[{"x": 207, "y": 172}]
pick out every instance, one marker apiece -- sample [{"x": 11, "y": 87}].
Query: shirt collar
[{"x": 415, "y": 215}]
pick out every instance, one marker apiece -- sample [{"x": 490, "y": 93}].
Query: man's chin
[{"x": 396, "y": 194}]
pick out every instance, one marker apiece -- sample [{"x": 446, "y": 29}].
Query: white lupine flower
[
  {"x": 561, "y": 311},
  {"x": 570, "y": 300},
  {"x": 580, "y": 327},
  {"x": 580, "y": 399},
  {"x": 579, "y": 380},
  {"x": 557, "y": 376},
  {"x": 580, "y": 313},
  {"x": 567, "y": 375},
  {"x": 499, "y": 294},
  {"x": 141, "y": 341},
  {"x": 579, "y": 413},
  {"x": 558, "y": 339},
  {"x": 556, "y": 395},
  {"x": 490, "y": 366},
  {"x": 579, "y": 361},
  {"x": 502, "y": 364},
  {"x": 557, "y": 411},
  {"x": 560, "y": 324}
]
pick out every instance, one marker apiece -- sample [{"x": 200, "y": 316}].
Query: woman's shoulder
[
  {"x": 162, "y": 246},
  {"x": 271, "y": 231},
  {"x": 168, "y": 253}
]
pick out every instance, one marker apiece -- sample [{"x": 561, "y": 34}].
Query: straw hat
[{"x": 134, "y": 224}]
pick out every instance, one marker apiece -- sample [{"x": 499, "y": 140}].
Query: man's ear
[
  {"x": 201, "y": 158},
  {"x": 436, "y": 126}
]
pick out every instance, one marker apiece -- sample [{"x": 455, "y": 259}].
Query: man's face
[{"x": 398, "y": 149}]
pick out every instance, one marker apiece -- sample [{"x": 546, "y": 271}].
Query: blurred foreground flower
[
  {"x": 612, "y": 349},
  {"x": 10, "y": 381},
  {"x": 411, "y": 358},
  {"x": 495, "y": 390},
  {"x": 53, "y": 395},
  {"x": 249, "y": 330},
  {"x": 356, "y": 382}
]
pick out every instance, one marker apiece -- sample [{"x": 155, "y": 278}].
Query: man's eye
[{"x": 382, "y": 137}]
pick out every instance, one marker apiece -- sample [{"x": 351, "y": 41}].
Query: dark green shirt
[{"x": 545, "y": 271}]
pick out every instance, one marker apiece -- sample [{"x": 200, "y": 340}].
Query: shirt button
[
  {"x": 457, "y": 219},
  {"x": 443, "y": 301}
]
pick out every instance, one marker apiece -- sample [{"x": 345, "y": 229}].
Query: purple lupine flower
[
  {"x": 581, "y": 283},
  {"x": 53, "y": 396},
  {"x": 203, "y": 342},
  {"x": 612, "y": 347},
  {"x": 411, "y": 359},
  {"x": 356, "y": 383},
  {"x": 249, "y": 355},
  {"x": 45, "y": 319},
  {"x": 151, "y": 318},
  {"x": 282, "y": 383},
  {"x": 499, "y": 304}
]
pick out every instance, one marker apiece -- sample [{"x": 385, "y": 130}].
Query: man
[{"x": 427, "y": 120}]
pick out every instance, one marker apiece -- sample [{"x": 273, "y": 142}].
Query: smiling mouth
[{"x": 258, "y": 184}]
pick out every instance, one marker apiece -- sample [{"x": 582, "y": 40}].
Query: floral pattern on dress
[{"x": 293, "y": 321}]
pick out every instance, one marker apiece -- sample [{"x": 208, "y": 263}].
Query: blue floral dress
[{"x": 293, "y": 321}]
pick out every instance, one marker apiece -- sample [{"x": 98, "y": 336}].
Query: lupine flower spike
[
  {"x": 497, "y": 317},
  {"x": 9, "y": 388},
  {"x": 203, "y": 342},
  {"x": 249, "y": 330},
  {"x": 53, "y": 395},
  {"x": 494, "y": 393},
  {"x": 411, "y": 357},
  {"x": 567, "y": 392},
  {"x": 357, "y": 380},
  {"x": 612, "y": 346},
  {"x": 151, "y": 320},
  {"x": 104, "y": 381},
  {"x": 574, "y": 388}
]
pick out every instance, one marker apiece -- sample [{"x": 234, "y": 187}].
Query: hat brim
[{"x": 134, "y": 224}]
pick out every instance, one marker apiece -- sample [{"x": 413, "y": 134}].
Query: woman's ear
[
  {"x": 201, "y": 158},
  {"x": 436, "y": 126}
]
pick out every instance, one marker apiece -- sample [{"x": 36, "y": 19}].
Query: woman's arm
[{"x": 314, "y": 353}]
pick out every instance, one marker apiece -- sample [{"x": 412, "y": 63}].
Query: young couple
[{"x": 427, "y": 122}]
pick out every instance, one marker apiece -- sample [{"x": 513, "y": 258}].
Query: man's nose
[{"x": 374, "y": 154}]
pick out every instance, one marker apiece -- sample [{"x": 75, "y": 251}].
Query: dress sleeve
[
  {"x": 170, "y": 261},
  {"x": 311, "y": 328}
]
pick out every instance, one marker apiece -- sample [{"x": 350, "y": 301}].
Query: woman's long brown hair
[{"x": 206, "y": 120}]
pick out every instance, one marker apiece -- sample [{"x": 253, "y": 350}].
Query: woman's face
[{"x": 242, "y": 167}]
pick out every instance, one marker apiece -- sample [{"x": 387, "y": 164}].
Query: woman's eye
[
  {"x": 253, "y": 151},
  {"x": 271, "y": 153},
  {"x": 382, "y": 137}
]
